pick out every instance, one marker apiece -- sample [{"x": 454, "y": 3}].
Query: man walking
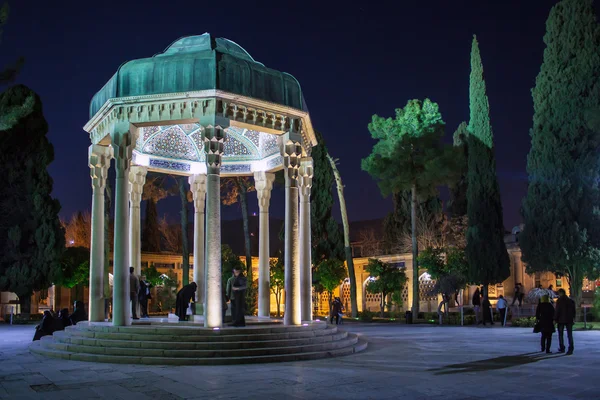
[
  {"x": 501, "y": 307},
  {"x": 134, "y": 290},
  {"x": 565, "y": 317}
]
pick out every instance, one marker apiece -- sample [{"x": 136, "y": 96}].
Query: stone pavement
[{"x": 401, "y": 362}]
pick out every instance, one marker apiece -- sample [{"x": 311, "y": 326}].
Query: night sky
[{"x": 352, "y": 62}]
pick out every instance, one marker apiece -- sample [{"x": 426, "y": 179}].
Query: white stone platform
[{"x": 167, "y": 342}]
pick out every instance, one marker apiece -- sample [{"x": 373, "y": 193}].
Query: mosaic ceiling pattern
[{"x": 184, "y": 142}]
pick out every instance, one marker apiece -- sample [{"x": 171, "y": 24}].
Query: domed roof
[{"x": 201, "y": 62}]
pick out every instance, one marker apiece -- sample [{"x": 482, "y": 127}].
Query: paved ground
[{"x": 402, "y": 362}]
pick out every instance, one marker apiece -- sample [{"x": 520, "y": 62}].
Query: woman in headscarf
[
  {"x": 238, "y": 291},
  {"x": 545, "y": 321},
  {"x": 46, "y": 327},
  {"x": 79, "y": 314},
  {"x": 63, "y": 317},
  {"x": 187, "y": 293}
]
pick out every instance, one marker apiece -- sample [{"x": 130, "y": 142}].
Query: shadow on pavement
[{"x": 494, "y": 363}]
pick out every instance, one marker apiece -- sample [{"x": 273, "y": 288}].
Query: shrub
[
  {"x": 524, "y": 322},
  {"x": 366, "y": 316}
]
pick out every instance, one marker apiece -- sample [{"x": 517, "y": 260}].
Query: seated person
[
  {"x": 46, "y": 327},
  {"x": 79, "y": 314}
]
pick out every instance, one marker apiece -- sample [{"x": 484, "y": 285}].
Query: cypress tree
[
  {"x": 486, "y": 251},
  {"x": 33, "y": 238},
  {"x": 326, "y": 236},
  {"x": 457, "y": 206},
  {"x": 150, "y": 231},
  {"x": 560, "y": 211}
]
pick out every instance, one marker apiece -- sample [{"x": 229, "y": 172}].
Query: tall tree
[
  {"x": 409, "y": 155},
  {"x": 235, "y": 190},
  {"x": 33, "y": 238},
  {"x": 346, "y": 226},
  {"x": 457, "y": 206},
  {"x": 560, "y": 211},
  {"x": 184, "y": 196},
  {"x": 74, "y": 271},
  {"x": 277, "y": 280},
  {"x": 330, "y": 274},
  {"x": 397, "y": 223},
  {"x": 486, "y": 251},
  {"x": 152, "y": 194},
  {"x": 326, "y": 237}
]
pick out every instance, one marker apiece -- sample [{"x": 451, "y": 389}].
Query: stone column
[
  {"x": 99, "y": 161},
  {"x": 198, "y": 189},
  {"x": 292, "y": 151},
  {"x": 214, "y": 138},
  {"x": 305, "y": 175},
  {"x": 263, "y": 182},
  {"x": 137, "y": 179},
  {"x": 123, "y": 143}
]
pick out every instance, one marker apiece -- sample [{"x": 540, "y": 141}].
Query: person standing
[
  {"x": 229, "y": 295},
  {"x": 545, "y": 317},
  {"x": 565, "y": 318},
  {"x": 486, "y": 309},
  {"x": 134, "y": 290},
  {"x": 501, "y": 307},
  {"x": 143, "y": 296},
  {"x": 238, "y": 289},
  {"x": 336, "y": 310},
  {"x": 477, "y": 305},
  {"x": 518, "y": 294}
]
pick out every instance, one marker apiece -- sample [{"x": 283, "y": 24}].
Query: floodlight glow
[
  {"x": 304, "y": 324},
  {"x": 141, "y": 159},
  {"x": 197, "y": 168},
  {"x": 216, "y": 329}
]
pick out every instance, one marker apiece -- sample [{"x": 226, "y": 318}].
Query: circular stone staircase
[{"x": 163, "y": 343}]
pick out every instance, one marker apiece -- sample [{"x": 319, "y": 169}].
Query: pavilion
[{"x": 203, "y": 108}]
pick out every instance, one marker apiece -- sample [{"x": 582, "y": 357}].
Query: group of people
[
  {"x": 52, "y": 322},
  {"x": 234, "y": 293},
  {"x": 563, "y": 316},
  {"x": 483, "y": 308},
  {"x": 139, "y": 293}
]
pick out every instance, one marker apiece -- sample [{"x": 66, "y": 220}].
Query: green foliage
[
  {"x": 33, "y": 238},
  {"x": 457, "y": 206},
  {"x": 386, "y": 279},
  {"x": 329, "y": 274},
  {"x": 167, "y": 294},
  {"x": 326, "y": 236},
  {"x": 75, "y": 268},
  {"x": 409, "y": 155},
  {"x": 448, "y": 267},
  {"x": 150, "y": 231},
  {"x": 366, "y": 316},
  {"x": 560, "y": 211},
  {"x": 524, "y": 322},
  {"x": 152, "y": 275},
  {"x": 486, "y": 251},
  {"x": 277, "y": 280},
  {"x": 409, "y": 151}
]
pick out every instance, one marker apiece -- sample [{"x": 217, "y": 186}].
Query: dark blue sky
[{"x": 351, "y": 60}]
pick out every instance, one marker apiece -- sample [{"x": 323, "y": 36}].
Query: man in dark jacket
[
  {"x": 143, "y": 296},
  {"x": 565, "y": 317},
  {"x": 134, "y": 290},
  {"x": 187, "y": 293}
]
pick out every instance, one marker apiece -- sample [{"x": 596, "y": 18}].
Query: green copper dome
[{"x": 200, "y": 63}]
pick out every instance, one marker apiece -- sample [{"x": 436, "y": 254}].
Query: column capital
[
  {"x": 123, "y": 143},
  {"x": 214, "y": 143},
  {"x": 99, "y": 162},
  {"x": 263, "y": 182},
  {"x": 198, "y": 189},
  {"x": 305, "y": 175},
  {"x": 292, "y": 153},
  {"x": 137, "y": 179}
]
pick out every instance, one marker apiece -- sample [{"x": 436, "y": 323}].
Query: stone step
[
  {"x": 180, "y": 330},
  {"x": 248, "y": 352},
  {"x": 67, "y": 338},
  {"x": 202, "y": 336},
  {"x": 39, "y": 347}
]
